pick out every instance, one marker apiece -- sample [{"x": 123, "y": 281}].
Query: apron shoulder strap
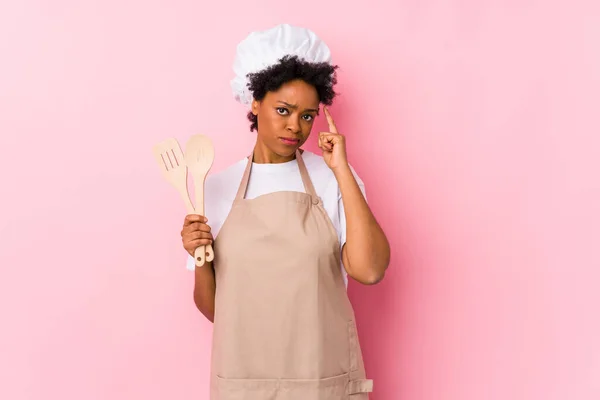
[
  {"x": 308, "y": 185},
  {"x": 241, "y": 193}
]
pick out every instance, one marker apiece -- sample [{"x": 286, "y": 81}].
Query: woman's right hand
[{"x": 195, "y": 233}]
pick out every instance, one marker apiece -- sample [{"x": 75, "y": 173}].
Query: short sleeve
[
  {"x": 341, "y": 210},
  {"x": 191, "y": 263}
]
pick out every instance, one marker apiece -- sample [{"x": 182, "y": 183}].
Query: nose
[{"x": 293, "y": 125}]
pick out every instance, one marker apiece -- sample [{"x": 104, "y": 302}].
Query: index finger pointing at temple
[{"x": 332, "y": 127}]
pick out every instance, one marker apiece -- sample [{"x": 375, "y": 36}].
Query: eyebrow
[{"x": 295, "y": 107}]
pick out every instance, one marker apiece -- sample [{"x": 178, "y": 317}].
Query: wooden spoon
[{"x": 199, "y": 157}]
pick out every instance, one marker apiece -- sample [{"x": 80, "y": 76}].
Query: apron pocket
[{"x": 333, "y": 388}]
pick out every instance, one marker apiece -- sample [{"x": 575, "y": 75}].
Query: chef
[{"x": 289, "y": 228}]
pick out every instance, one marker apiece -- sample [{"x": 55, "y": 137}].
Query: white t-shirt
[{"x": 221, "y": 188}]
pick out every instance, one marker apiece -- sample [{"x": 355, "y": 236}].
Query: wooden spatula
[
  {"x": 171, "y": 162},
  {"x": 199, "y": 157}
]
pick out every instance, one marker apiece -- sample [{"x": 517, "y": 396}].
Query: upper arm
[
  {"x": 342, "y": 210},
  {"x": 342, "y": 220},
  {"x": 345, "y": 260}
]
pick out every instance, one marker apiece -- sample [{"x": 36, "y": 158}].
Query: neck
[{"x": 263, "y": 155}]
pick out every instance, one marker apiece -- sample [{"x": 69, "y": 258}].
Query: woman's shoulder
[
  {"x": 315, "y": 163},
  {"x": 225, "y": 174},
  {"x": 221, "y": 183},
  {"x": 317, "y": 166}
]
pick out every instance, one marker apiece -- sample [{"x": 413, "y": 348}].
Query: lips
[{"x": 290, "y": 141}]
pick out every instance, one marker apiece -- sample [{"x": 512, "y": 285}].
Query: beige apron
[{"x": 284, "y": 328}]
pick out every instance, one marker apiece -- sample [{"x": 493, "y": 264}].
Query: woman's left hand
[{"x": 333, "y": 145}]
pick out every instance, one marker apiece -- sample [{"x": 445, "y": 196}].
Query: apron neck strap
[{"x": 308, "y": 186}]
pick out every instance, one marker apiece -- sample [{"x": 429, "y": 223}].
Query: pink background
[{"x": 474, "y": 125}]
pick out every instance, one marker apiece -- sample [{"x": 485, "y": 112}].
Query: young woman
[{"x": 288, "y": 228}]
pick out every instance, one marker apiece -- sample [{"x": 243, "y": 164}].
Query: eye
[
  {"x": 308, "y": 117},
  {"x": 282, "y": 110}
]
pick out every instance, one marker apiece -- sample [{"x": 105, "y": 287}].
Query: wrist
[{"x": 342, "y": 171}]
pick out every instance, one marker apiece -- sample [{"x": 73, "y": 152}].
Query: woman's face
[{"x": 286, "y": 117}]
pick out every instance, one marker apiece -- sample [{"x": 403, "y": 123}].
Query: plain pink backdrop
[{"x": 474, "y": 125}]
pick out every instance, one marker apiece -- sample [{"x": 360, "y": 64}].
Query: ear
[{"x": 255, "y": 105}]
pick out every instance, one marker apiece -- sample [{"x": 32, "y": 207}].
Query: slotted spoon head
[
  {"x": 171, "y": 163},
  {"x": 199, "y": 154},
  {"x": 170, "y": 159}
]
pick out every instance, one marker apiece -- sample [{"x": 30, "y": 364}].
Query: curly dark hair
[{"x": 320, "y": 75}]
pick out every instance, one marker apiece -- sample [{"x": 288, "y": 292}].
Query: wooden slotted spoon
[
  {"x": 171, "y": 162},
  {"x": 199, "y": 157}
]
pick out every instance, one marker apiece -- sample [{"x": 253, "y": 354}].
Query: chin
[{"x": 287, "y": 151}]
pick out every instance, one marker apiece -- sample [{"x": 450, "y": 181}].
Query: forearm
[
  {"x": 367, "y": 251},
  {"x": 204, "y": 290}
]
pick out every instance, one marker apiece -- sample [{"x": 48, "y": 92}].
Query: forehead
[{"x": 296, "y": 92}]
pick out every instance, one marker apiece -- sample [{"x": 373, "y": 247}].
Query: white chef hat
[{"x": 262, "y": 49}]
